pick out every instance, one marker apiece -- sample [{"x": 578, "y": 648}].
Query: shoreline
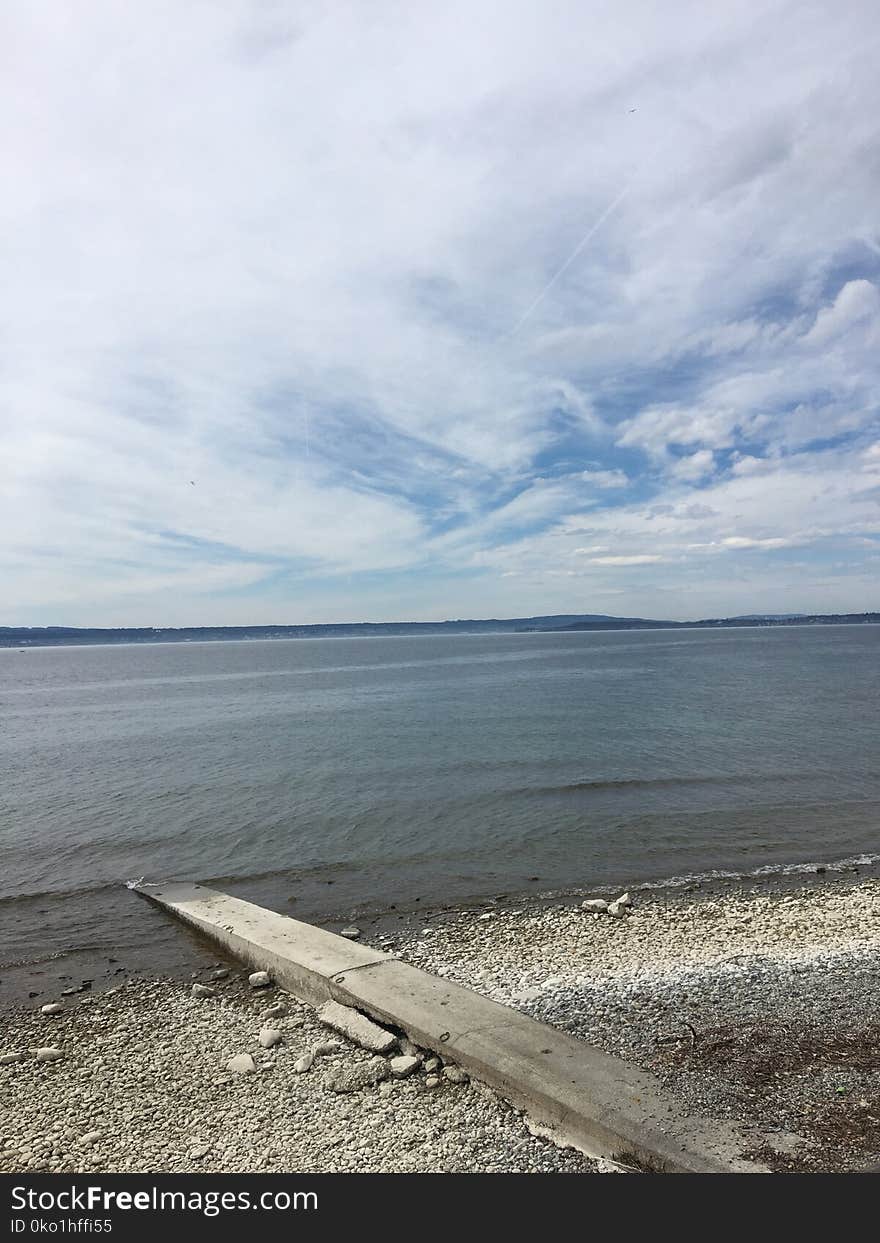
[
  {"x": 756, "y": 1000},
  {"x": 173, "y": 951}
]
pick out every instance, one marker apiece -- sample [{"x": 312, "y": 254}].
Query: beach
[{"x": 755, "y": 1000}]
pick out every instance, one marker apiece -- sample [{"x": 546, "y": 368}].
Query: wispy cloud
[{"x": 318, "y": 312}]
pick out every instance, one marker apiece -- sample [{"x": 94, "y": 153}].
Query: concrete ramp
[{"x": 577, "y": 1093}]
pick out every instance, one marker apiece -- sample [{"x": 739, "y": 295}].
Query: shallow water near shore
[{"x": 325, "y": 776}]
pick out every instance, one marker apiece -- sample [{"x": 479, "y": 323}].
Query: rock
[
  {"x": 407, "y": 1047},
  {"x": 403, "y": 1066},
  {"x": 327, "y": 1048},
  {"x": 202, "y": 990},
  {"x": 275, "y": 1012},
  {"x": 432, "y": 1064},
  {"x": 455, "y": 1074},
  {"x": 52, "y": 1008},
  {"x": 259, "y": 979},
  {"x": 91, "y": 1137},
  {"x": 357, "y": 1027},
  {"x": 242, "y": 1064},
  {"x": 9, "y": 1059},
  {"x": 49, "y": 1054},
  {"x": 624, "y": 900},
  {"x": 432, "y": 1081},
  {"x": 351, "y": 932},
  {"x": 594, "y": 904},
  {"x": 616, "y": 910},
  {"x": 269, "y": 1037},
  {"x": 486, "y": 915},
  {"x": 304, "y": 1063},
  {"x": 200, "y": 1150},
  {"x": 220, "y": 974},
  {"x": 68, "y": 992},
  {"x": 355, "y": 1078}
]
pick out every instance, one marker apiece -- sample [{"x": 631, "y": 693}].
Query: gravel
[
  {"x": 143, "y": 1085},
  {"x": 756, "y": 1003}
]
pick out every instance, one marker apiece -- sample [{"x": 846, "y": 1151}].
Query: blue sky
[{"x": 334, "y": 311}]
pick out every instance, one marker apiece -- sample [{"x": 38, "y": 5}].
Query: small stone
[
  {"x": 68, "y": 992},
  {"x": 304, "y": 1063},
  {"x": 432, "y": 1064},
  {"x": 326, "y": 1048},
  {"x": 616, "y": 910},
  {"x": 432, "y": 1081},
  {"x": 202, "y": 990},
  {"x": 402, "y": 1066},
  {"x": 269, "y": 1037},
  {"x": 9, "y": 1059},
  {"x": 220, "y": 974},
  {"x": 259, "y": 979},
  {"x": 624, "y": 900},
  {"x": 200, "y": 1150},
  {"x": 354, "y": 1078},
  {"x": 242, "y": 1064},
  {"x": 485, "y": 916},
  {"x": 49, "y": 1054},
  {"x": 454, "y": 1074},
  {"x": 594, "y": 904},
  {"x": 275, "y": 1012},
  {"x": 52, "y": 1008},
  {"x": 351, "y": 932},
  {"x": 91, "y": 1137}
]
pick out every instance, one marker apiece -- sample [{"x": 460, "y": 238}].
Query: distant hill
[
  {"x": 59, "y": 636},
  {"x": 753, "y": 619}
]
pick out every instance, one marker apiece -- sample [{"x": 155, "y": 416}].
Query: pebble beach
[{"x": 758, "y": 1003}]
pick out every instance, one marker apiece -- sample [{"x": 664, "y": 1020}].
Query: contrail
[{"x": 571, "y": 258}]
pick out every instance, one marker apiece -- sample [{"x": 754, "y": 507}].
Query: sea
[{"x": 331, "y": 777}]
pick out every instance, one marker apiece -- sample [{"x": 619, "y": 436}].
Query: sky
[{"x": 341, "y": 311}]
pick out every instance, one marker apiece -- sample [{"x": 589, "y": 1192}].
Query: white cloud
[{"x": 281, "y": 250}]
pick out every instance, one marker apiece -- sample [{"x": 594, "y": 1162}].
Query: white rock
[
  {"x": 485, "y": 916},
  {"x": 220, "y": 974},
  {"x": 52, "y": 1008},
  {"x": 624, "y": 900},
  {"x": 403, "y": 1066},
  {"x": 304, "y": 1063},
  {"x": 594, "y": 904},
  {"x": 269, "y": 1037},
  {"x": 9, "y": 1059},
  {"x": 49, "y": 1054},
  {"x": 616, "y": 910},
  {"x": 455, "y": 1074},
  {"x": 432, "y": 1064},
  {"x": 242, "y": 1064},
  {"x": 357, "y": 1027},
  {"x": 202, "y": 990},
  {"x": 432, "y": 1081},
  {"x": 351, "y": 932},
  {"x": 91, "y": 1137},
  {"x": 200, "y": 1150},
  {"x": 259, "y": 979}
]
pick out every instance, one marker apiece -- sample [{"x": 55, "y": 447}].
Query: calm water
[{"x": 420, "y": 768}]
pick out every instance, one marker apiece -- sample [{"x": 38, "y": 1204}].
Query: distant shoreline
[{"x": 30, "y": 637}]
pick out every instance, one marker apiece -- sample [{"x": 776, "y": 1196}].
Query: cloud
[{"x": 337, "y": 266}]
